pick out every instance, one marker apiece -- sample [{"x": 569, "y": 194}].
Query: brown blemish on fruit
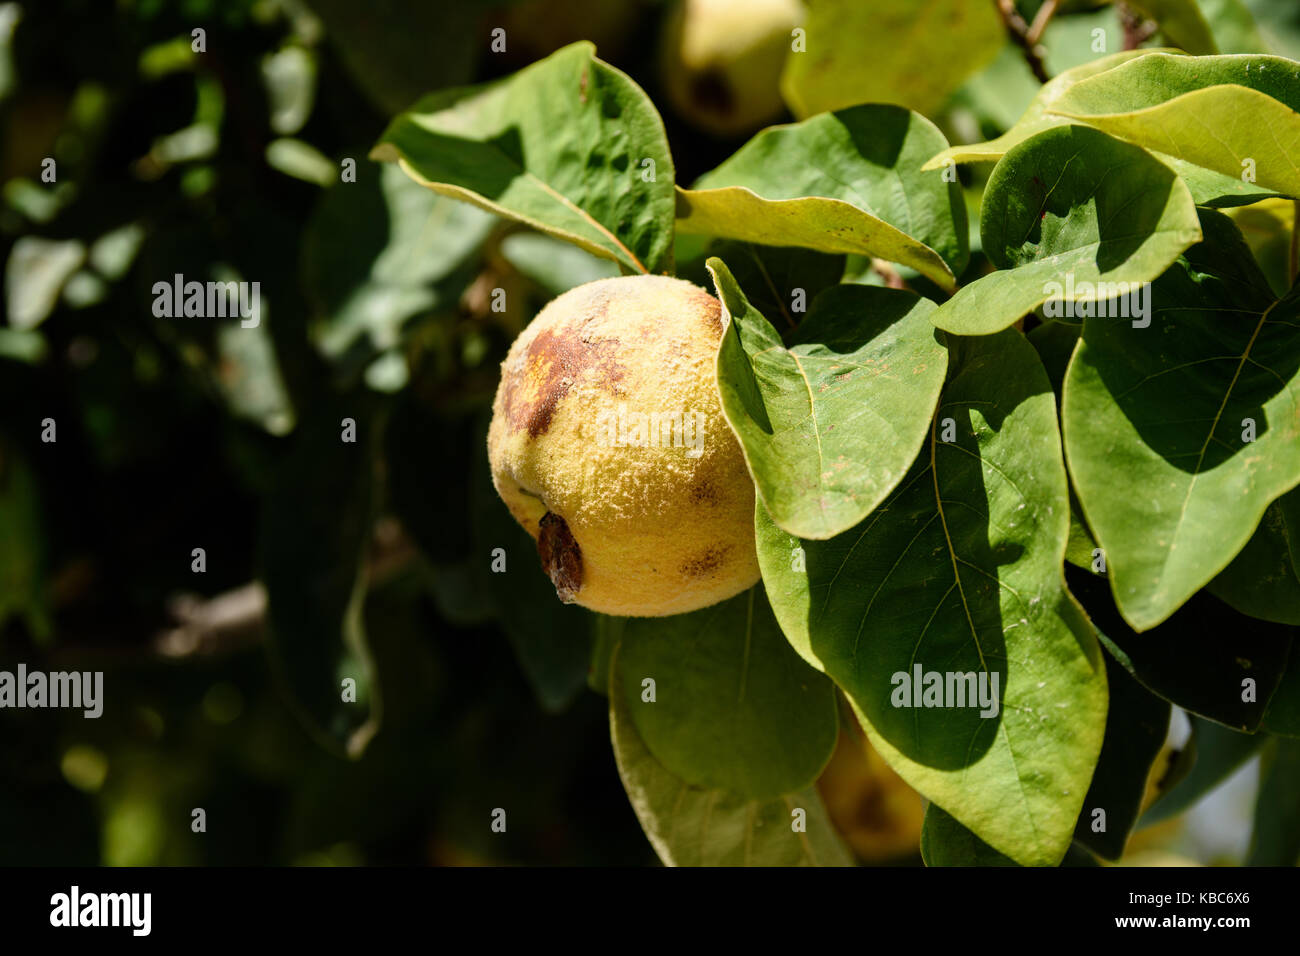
[
  {"x": 555, "y": 360},
  {"x": 706, "y": 562},
  {"x": 712, "y": 92},
  {"x": 561, "y": 556},
  {"x": 711, "y": 313},
  {"x": 871, "y": 813},
  {"x": 703, "y": 492}
]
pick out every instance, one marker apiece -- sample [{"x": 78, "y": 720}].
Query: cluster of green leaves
[
  {"x": 175, "y": 434},
  {"x": 890, "y": 488},
  {"x": 925, "y": 468}
]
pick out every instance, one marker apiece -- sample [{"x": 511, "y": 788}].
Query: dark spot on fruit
[
  {"x": 710, "y": 312},
  {"x": 871, "y": 813},
  {"x": 703, "y": 492},
  {"x": 561, "y": 556},
  {"x": 712, "y": 93},
  {"x": 706, "y": 562}
]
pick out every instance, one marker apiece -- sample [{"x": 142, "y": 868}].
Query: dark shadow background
[{"x": 168, "y": 438}]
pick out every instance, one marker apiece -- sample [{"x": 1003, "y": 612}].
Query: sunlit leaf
[
  {"x": 845, "y": 182},
  {"x": 1235, "y": 115},
  {"x": 869, "y": 53},
  {"x": 959, "y": 572},
  {"x": 830, "y": 425},
  {"x": 1173, "y": 408},
  {"x": 1071, "y": 203},
  {"x": 570, "y": 146}
]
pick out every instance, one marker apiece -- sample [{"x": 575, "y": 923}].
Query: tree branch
[
  {"x": 1041, "y": 19},
  {"x": 236, "y": 619},
  {"x": 1137, "y": 28},
  {"x": 1022, "y": 36}
]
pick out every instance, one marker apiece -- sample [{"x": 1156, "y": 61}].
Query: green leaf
[
  {"x": 301, "y": 160},
  {"x": 289, "y": 76},
  {"x": 1264, "y": 579},
  {"x": 1267, "y": 226},
  {"x": 779, "y": 280},
  {"x": 1071, "y": 202},
  {"x": 1214, "y": 753},
  {"x": 830, "y": 425},
  {"x": 846, "y": 182},
  {"x": 248, "y": 374},
  {"x": 1213, "y": 112},
  {"x": 1208, "y": 188},
  {"x": 1055, "y": 343},
  {"x": 1283, "y": 713},
  {"x": 945, "y": 842},
  {"x": 395, "y": 50},
  {"x": 314, "y": 532},
  {"x": 1182, "y": 23},
  {"x": 868, "y": 53},
  {"x": 554, "y": 265},
  {"x": 23, "y": 345},
  {"x": 1076, "y": 855},
  {"x": 1081, "y": 548},
  {"x": 1199, "y": 658},
  {"x": 734, "y": 707},
  {"x": 379, "y": 252},
  {"x": 570, "y": 146},
  {"x": 1279, "y": 20},
  {"x": 960, "y": 571},
  {"x": 1233, "y": 26},
  {"x": 1276, "y": 837},
  {"x": 1136, "y": 726},
  {"x": 691, "y": 825},
  {"x": 1036, "y": 117},
  {"x": 995, "y": 97},
  {"x": 1166, "y": 406},
  {"x": 35, "y": 274},
  {"x": 608, "y": 631}
]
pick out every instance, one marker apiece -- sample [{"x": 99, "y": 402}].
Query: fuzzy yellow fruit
[
  {"x": 721, "y": 61},
  {"x": 870, "y": 805},
  {"x": 609, "y": 446}
]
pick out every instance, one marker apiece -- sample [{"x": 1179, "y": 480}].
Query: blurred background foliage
[{"x": 476, "y": 691}]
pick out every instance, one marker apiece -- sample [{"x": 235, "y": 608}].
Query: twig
[
  {"x": 1041, "y": 19},
  {"x": 236, "y": 619},
  {"x": 1019, "y": 31},
  {"x": 887, "y": 272},
  {"x": 228, "y": 622},
  {"x": 1137, "y": 28}
]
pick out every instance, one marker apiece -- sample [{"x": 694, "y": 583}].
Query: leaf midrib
[{"x": 1214, "y": 426}]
